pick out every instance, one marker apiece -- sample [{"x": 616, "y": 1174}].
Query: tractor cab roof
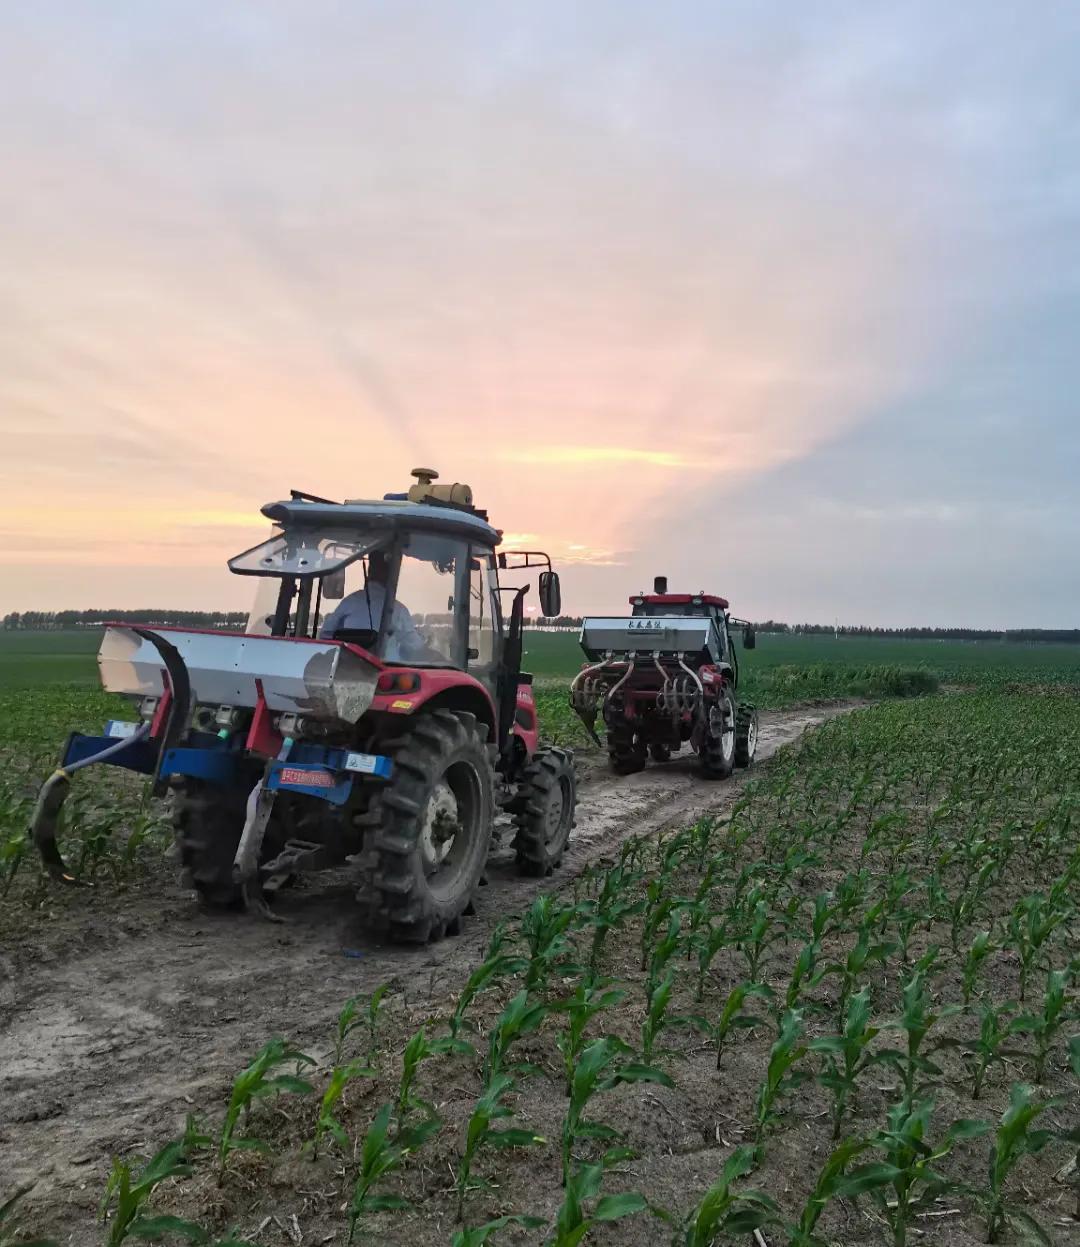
[
  {"x": 389, "y": 514},
  {"x": 679, "y": 599}
]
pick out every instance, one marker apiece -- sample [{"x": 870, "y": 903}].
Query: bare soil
[{"x": 122, "y": 1012}]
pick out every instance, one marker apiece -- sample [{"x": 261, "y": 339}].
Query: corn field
[{"x": 844, "y": 1012}]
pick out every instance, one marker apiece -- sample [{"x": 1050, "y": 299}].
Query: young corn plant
[
  {"x": 708, "y": 940},
  {"x": 127, "y": 1193},
  {"x": 590, "y": 999},
  {"x": 1031, "y": 924},
  {"x": 610, "y": 910},
  {"x": 496, "y": 967},
  {"x": 255, "y": 1082},
  {"x": 658, "y": 907},
  {"x": 915, "y": 1021},
  {"x": 478, "y": 1235},
  {"x": 836, "y": 1181},
  {"x": 996, "y": 1026},
  {"x": 846, "y": 1056},
  {"x": 860, "y": 957},
  {"x": 732, "y": 1017},
  {"x": 659, "y": 998},
  {"x": 574, "y": 1220},
  {"x": 379, "y": 1157},
  {"x": 351, "y": 1017},
  {"x": 518, "y": 1019},
  {"x": 1014, "y": 1139},
  {"x": 482, "y": 1133},
  {"x": 981, "y": 948},
  {"x": 910, "y": 1164},
  {"x": 544, "y": 929},
  {"x": 599, "y": 1068},
  {"x": 418, "y": 1050},
  {"x": 722, "y": 1210},
  {"x": 1046, "y": 1025},
  {"x": 327, "y": 1123},
  {"x": 781, "y": 1078}
]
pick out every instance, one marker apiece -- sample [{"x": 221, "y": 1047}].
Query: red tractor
[
  {"x": 665, "y": 676},
  {"x": 386, "y": 732}
]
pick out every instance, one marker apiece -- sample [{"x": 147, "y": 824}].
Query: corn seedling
[
  {"x": 981, "y": 948},
  {"x": 481, "y": 1132},
  {"x": 846, "y": 1056},
  {"x": 418, "y": 1050},
  {"x": 659, "y": 999},
  {"x": 127, "y": 1193},
  {"x": 257, "y": 1081},
  {"x": 481, "y": 1234},
  {"x": 915, "y": 1021},
  {"x": 836, "y": 1181},
  {"x": 1045, "y": 1026},
  {"x": 518, "y": 1019},
  {"x": 350, "y": 1018},
  {"x": 599, "y": 1069},
  {"x": 589, "y": 1000},
  {"x": 732, "y": 1016},
  {"x": 658, "y": 907},
  {"x": 781, "y": 1077},
  {"x": 1031, "y": 924},
  {"x": 543, "y": 929},
  {"x": 910, "y": 1163},
  {"x": 995, "y": 1027},
  {"x": 1014, "y": 1139},
  {"x": 724, "y": 1211},
  {"x": 861, "y": 955},
  {"x": 327, "y": 1123},
  {"x": 610, "y": 910},
  {"x": 381, "y": 1156},
  {"x": 574, "y": 1222},
  {"x": 497, "y": 966}
]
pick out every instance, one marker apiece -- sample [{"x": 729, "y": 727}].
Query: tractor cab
[{"x": 411, "y": 579}]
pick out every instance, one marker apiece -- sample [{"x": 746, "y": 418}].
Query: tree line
[{"x": 52, "y": 621}]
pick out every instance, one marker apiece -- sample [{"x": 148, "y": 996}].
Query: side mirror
[
  {"x": 550, "y": 594},
  {"x": 333, "y": 586},
  {"x": 749, "y": 638}
]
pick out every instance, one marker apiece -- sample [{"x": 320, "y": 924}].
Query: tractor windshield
[{"x": 307, "y": 552}]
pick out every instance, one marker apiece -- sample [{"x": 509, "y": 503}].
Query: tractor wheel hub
[{"x": 439, "y": 828}]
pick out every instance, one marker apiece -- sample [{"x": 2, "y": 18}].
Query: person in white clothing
[{"x": 363, "y": 610}]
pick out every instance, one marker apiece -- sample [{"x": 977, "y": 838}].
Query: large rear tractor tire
[
  {"x": 207, "y": 822},
  {"x": 718, "y": 744},
  {"x": 626, "y": 752},
  {"x": 746, "y": 734},
  {"x": 543, "y": 810},
  {"x": 432, "y": 829}
]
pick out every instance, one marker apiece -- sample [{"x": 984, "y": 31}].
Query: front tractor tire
[
  {"x": 432, "y": 829},
  {"x": 543, "y": 810},
  {"x": 746, "y": 734},
  {"x": 718, "y": 741},
  {"x": 626, "y": 751}
]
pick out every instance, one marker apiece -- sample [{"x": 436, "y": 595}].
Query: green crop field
[{"x": 843, "y": 1010}]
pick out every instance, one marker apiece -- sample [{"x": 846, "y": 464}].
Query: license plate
[{"x": 365, "y": 763}]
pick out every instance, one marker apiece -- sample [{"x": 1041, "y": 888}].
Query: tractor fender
[{"x": 441, "y": 690}]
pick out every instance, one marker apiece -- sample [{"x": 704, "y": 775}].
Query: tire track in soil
[{"x": 106, "y": 1048}]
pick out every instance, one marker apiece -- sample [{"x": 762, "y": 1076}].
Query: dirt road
[{"x": 118, "y": 1022}]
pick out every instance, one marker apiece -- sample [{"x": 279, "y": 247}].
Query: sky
[{"x": 780, "y": 301}]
